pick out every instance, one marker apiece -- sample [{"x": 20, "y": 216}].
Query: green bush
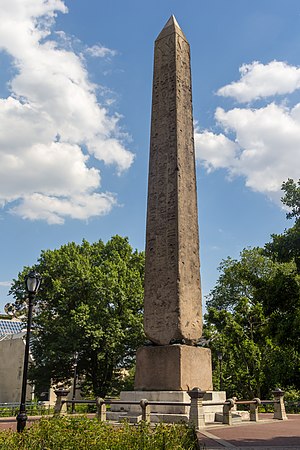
[
  {"x": 83, "y": 408},
  {"x": 292, "y": 401},
  {"x": 69, "y": 433}
]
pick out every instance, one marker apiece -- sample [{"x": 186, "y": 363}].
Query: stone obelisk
[{"x": 172, "y": 304}]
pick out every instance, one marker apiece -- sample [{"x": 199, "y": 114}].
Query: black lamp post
[
  {"x": 74, "y": 380},
  {"x": 220, "y": 358},
  {"x": 32, "y": 283}
]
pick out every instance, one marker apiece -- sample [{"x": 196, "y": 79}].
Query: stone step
[
  {"x": 236, "y": 416},
  {"x": 118, "y": 416}
]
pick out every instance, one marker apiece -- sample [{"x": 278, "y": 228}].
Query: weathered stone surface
[
  {"x": 173, "y": 368},
  {"x": 157, "y": 396},
  {"x": 166, "y": 413},
  {"x": 172, "y": 306}
]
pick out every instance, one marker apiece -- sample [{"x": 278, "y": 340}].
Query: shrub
[
  {"x": 292, "y": 401},
  {"x": 80, "y": 433}
]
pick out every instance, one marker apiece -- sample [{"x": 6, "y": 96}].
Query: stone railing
[
  {"x": 197, "y": 406},
  {"x": 278, "y": 402}
]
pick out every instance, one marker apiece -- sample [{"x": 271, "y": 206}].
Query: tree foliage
[
  {"x": 291, "y": 198},
  {"x": 286, "y": 246},
  {"x": 91, "y": 297},
  {"x": 253, "y": 316},
  {"x": 90, "y": 301}
]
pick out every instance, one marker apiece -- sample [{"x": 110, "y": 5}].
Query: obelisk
[{"x": 172, "y": 304}]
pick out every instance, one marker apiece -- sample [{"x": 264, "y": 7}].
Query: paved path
[
  {"x": 7, "y": 423},
  {"x": 266, "y": 434}
]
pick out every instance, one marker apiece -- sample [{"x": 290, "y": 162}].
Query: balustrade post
[
  {"x": 279, "y": 408},
  {"x": 60, "y": 406},
  {"x": 197, "y": 417},
  {"x": 254, "y": 410},
  {"x": 101, "y": 409},
  {"x": 145, "y": 410},
  {"x": 227, "y": 415},
  {"x": 234, "y": 408}
]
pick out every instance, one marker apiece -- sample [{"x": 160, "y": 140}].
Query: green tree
[
  {"x": 286, "y": 246},
  {"x": 282, "y": 294},
  {"x": 90, "y": 301},
  {"x": 236, "y": 324},
  {"x": 254, "y": 312},
  {"x": 291, "y": 198},
  {"x": 252, "y": 324}
]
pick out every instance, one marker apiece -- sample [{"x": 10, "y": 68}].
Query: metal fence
[{"x": 32, "y": 409}]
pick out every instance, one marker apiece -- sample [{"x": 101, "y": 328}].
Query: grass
[{"x": 69, "y": 433}]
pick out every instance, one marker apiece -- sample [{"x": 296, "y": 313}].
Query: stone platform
[
  {"x": 164, "y": 413},
  {"x": 173, "y": 368}
]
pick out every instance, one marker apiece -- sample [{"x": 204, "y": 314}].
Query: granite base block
[{"x": 173, "y": 368}]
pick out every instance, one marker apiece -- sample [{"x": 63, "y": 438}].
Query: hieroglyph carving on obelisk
[{"x": 172, "y": 303}]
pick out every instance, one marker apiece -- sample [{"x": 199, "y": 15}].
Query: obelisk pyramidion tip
[
  {"x": 170, "y": 28},
  {"x": 172, "y": 21}
]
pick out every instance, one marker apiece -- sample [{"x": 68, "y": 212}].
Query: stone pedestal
[
  {"x": 197, "y": 415},
  {"x": 164, "y": 413},
  {"x": 154, "y": 396},
  {"x": 173, "y": 368},
  {"x": 60, "y": 407},
  {"x": 279, "y": 408}
]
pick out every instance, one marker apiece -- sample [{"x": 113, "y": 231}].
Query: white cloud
[
  {"x": 52, "y": 121},
  {"x": 215, "y": 150},
  {"x": 263, "y": 80},
  {"x": 99, "y": 51},
  {"x": 5, "y": 283},
  {"x": 260, "y": 144},
  {"x": 266, "y": 150},
  {"x": 54, "y": 209}
]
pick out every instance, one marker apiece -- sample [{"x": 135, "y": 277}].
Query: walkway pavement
[
  {"x": 267, "y": 434},
  {"x": 7, "y": 423}
]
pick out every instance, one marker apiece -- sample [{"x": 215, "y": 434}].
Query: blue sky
[{"x": 75, "y": 100}]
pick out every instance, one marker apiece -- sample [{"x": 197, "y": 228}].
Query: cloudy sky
[{"x": 75, "y": 99}]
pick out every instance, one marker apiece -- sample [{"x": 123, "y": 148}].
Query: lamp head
[
  {"x": 32, "y": 282},
  {"x": 75, "y": 359}
]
